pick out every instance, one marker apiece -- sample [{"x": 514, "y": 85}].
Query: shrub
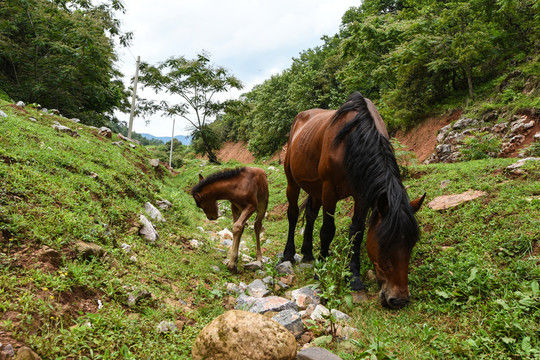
[{"x": 480, "y": 145}]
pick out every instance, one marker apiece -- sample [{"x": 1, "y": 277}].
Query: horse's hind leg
[
  {"x": 293, "y": 190},
  {"x": 312, "y": 210},
  {"x": 238, "y": 229}
]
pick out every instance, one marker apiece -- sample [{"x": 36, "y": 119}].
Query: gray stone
[
  {"x": 305, "y": 296},
  {"x": 20, "y": 104},
  {"x": 262, "y": 305},
  {"x": 137, "y": 295},
  {"x": 164, "y": 205},
  {"x": 315, "y": 353},
  {"x": 291, "y": 320},
  {"x": 166, "y": 326},
  {"x": 285, "y": 267},
  {"x": 65, "y": 129},
  {"x": 153, "y": 212},
  {"x": 147, "y": 229},
  {"x": 465, "y": 122},
  {"x": 253, "y": 266},
  {"x": 25, "y": 353},
  {"x": 126, "y": 247},
  {"x": 153, "y": 162},
  {"x": 3, "y": 114},
  {"x": 105, "y": 131},
  {"x": 258, "y": 289},
  {"x": 88, "y": 250}
]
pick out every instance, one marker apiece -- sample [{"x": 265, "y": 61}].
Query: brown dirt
[
  {"x": 235, "y": 151},
  {"x": 422, "y": 138}
]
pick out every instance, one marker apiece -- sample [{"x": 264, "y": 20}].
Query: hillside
[{"x": 78, "y": 280}]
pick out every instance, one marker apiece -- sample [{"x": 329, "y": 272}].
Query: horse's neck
[{"x": 218, "y": 190}]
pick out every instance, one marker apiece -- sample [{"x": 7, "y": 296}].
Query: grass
[{"x": 473, "y": 277}]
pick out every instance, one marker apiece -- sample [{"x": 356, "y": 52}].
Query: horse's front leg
[
  {"x": 356, "y": 235},
  {"x": 293, "y": 190},
  {"x": 312, "y": 210},
  {"x": 328, "y": 229},
  {"x": 238, "y": 229}
]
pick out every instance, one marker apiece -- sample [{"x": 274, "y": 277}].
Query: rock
[
  {"x": 46, "y": 254},
  {"x": 315, "y": 353},
  {"x": 3, "y": 114},
  {"x": 285, "y": 267},
  {"x": 263, "y": 305},
  {"x": 32, "y": 119},
  {"x": 128, "y": 139},
  {"x": 20, "y": 104},
  {"x": 225, "y": 234},
  {"x": 449, "y": 201},
  {"x": 25, "y": 353},
  {"x": 75, "y": 120},
  {"x": 253, "y": 266},
  {"x": 464, "y": 122},
  {"x": 238, "y": 289},
  {"x": 291, "y": 320},
  {"x": 105, "y": 131},
  {"x": 305, "y": 296},
  {"x": 153, "y": 162},
  {"x": 126, "y": 248},
  {"x": 257, "y": 289},
  {"x": 65, "y": 129},
  {"x": 165, "y": 327},
  {"x": 195, "y": 243},
  {"x": 319, "y": 313},
  {"x": 153, "y": 212},
  {"x": 88, "y": 250},
  {"x": 147, "y": 229},
  {"x": 135, "y": 296},
  {"x": 7, "y": 352},
  {"x": 164, "y": 205},
  {"x": 242, "y": 335}
]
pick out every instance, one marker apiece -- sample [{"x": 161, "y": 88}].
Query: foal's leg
[
  {"x": 238, "y": 229},
  {"x": 312, "y": 210},
  {"x": 293, "y": 190},
  {"x": 356, "y": 235},
  {"x": 261, "y": 211}
]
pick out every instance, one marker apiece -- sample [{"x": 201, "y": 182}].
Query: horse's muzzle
[{"x": 393, "y": 302}]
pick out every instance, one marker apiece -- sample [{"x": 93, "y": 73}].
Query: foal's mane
[
  {"x": 222, "y": 175},
  {"x": 373, "y": 174}
]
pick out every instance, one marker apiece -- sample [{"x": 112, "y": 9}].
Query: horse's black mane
[
  {"x": 373, "y": 174},
  {"x": 222, "y": 175}
]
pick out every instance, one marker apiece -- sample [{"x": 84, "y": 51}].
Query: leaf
[
  {"x": 472, "y": 276},
  {"x": 443, "y": 294},
  {"x": 323, "y": 340},
  {"x": 534, "y": 287},
  {"x": 502, "y": 303},
  {"x": 508, "y": 340},
  {"x": 526, "y": 344}
]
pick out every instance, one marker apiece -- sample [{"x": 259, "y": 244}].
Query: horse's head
[
  {"x": 209, "y": 205},
  {"x": 392, "y": 264}
]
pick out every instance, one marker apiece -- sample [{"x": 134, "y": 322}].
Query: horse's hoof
[
  {"x": 308, "y": 258},
  {"x": 356, "y": 284},
  {"x": 232, "y": 269}
]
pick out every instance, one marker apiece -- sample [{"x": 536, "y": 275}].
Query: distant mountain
[{"x": 185, "y": 140}]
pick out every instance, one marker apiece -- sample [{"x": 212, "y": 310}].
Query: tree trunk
[{"x": 469, "y": 80}]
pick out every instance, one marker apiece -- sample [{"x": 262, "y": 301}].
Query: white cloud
[{"x": 252, "y": 38}]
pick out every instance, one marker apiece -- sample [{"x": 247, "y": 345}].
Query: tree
[
  {"x": 61, "y": 54},
  {"x": 194, "y": 83}
]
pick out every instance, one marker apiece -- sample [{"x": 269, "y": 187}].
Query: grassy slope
[{"x": 474, "y": 274}]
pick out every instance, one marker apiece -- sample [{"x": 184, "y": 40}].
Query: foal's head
[
  {"x": 208, "y": 204},
  {"x": 392, "y": 262}
]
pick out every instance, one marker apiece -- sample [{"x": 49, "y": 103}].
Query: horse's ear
[
  {"x": 197, "y": 197},
  {"x": 382, "y": 204},
  {"x": 418, "y": 202},
  {"x": 201, "y": 177}
]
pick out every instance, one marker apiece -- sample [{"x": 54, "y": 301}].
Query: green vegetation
[
  {"x": 413, "y": 58},
  {"x": 474, "y": 274},
  {"x": 61, "y": 54}
]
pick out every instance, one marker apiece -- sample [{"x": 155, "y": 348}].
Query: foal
[{"x": 247, "y": 190}]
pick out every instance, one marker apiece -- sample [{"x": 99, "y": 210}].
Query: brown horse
[
  {"x": 336, "y": 154},
  {"x": 247, "y": 190}
]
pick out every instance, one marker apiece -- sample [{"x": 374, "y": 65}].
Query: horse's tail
[{"x": 373, "y": 172}]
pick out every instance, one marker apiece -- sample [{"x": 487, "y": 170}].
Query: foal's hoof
[{"x": 356, "y": 284}]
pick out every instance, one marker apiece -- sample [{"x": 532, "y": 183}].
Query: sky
[{"x": 253, "y": 39}]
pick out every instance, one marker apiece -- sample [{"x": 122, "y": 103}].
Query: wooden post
[
  {"x": 172, "y": 141},
  {"x": 133, "y": 97}
]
